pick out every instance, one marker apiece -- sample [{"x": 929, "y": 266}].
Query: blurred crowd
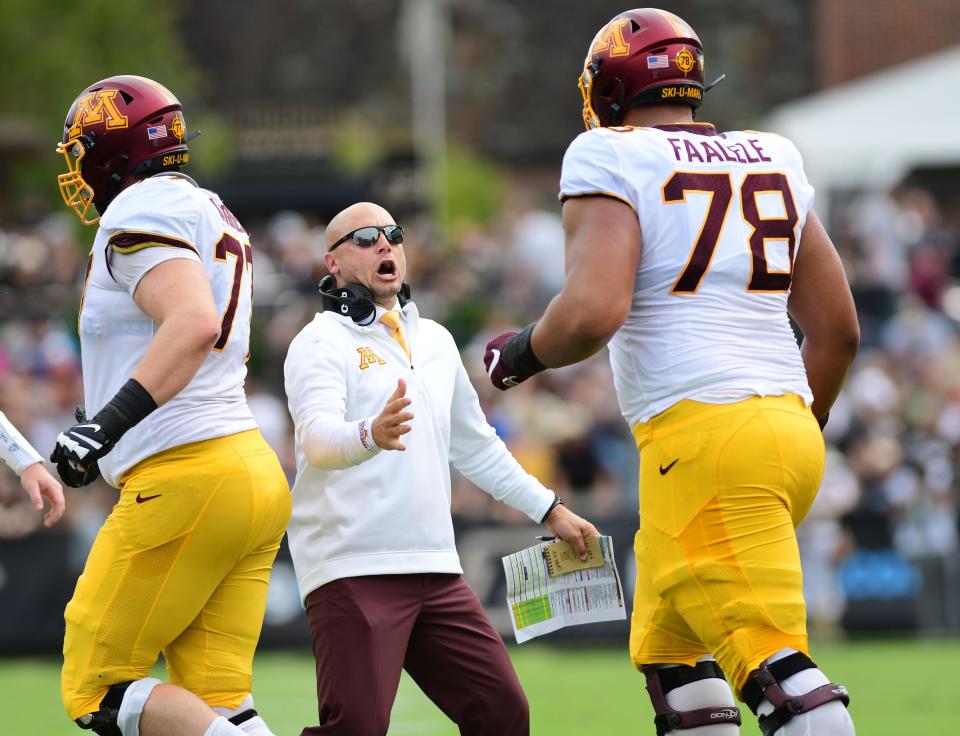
[{"x": 883, "y": 529}]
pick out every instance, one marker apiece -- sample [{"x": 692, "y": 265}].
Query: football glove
[
  {"x": 85, "y": 443},
  {"x": 82, "y": 445},
  {"x": 510, "y": 359}
]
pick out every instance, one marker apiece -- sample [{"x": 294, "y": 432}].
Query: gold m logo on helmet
[
  {"x": 98, "y": 107},
  {"x": 685, "y": 61},
  {"x": 611, "y": 39}
]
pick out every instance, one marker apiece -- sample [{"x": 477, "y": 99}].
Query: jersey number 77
[{"x": 243, "y": 256}]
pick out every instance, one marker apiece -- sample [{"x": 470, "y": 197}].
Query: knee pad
[
  {"x": 662, "y": 680},
  {"x": 246, "y": 718},
  {"x": 222, "y": 727},
  {"x": 120, "y": 709},
  {"x": 765, "y": 683}
]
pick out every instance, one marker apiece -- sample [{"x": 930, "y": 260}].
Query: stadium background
[{"x": 455, "y": 115}]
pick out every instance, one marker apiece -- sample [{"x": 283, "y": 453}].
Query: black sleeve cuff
[
  {"x": 518, "y": 353},
  {"x": 131, "y": 404}
]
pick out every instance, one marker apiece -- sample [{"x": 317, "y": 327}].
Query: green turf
[{"x": 898, "y": 687}]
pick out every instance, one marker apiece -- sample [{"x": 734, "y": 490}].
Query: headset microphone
[{"x": 353, "y": 300}]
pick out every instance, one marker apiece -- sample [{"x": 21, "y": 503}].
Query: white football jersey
[
  {"x": 163, "y": 217},
  {"x": 720, "y": 216}
]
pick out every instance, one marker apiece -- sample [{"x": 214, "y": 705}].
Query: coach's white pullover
[{"x": 360, "y": 510}]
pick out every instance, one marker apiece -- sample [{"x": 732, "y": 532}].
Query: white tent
[{"x": 872, "y": 131}]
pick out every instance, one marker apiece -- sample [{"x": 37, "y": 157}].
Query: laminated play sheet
[{"x": 549, "y": 587}]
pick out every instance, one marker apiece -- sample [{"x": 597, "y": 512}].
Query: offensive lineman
[
  {"x": 687, "y": 250},
  {"x": 182, "y": 563}
]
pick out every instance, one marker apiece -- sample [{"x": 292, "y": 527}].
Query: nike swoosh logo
[
  {"x": 141, "y": 499},
  {"x": 72, "y": 445},
  {"x": 493, "y": 363},
  {"x": 509, "y": 380},
  {"x": 665, "y": 470}
]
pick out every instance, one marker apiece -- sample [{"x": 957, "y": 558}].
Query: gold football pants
[
  {"x": 722, "y": 490},
  {"x": 181, "y": 566}
]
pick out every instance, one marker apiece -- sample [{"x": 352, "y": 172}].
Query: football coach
[{"x": 382, "y": 406}]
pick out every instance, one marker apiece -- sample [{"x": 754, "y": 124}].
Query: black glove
[
  {"x": 85, "y": 443},
  {"x": 81, "y": 445}
]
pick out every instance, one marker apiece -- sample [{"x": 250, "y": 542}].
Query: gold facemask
[
  {"x": 585, "y": 83},
  {"x": 76, "y": 193}
]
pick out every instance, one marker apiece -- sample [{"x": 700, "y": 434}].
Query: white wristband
[
  {"x": 365, "y": 433},
  {"x": 15, "y": 451}
]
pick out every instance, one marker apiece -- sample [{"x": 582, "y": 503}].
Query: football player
[
  {"x": 688, "y": 250},
  {"x": 182, "y": 563},
  {"x": 26, "y": 462}
]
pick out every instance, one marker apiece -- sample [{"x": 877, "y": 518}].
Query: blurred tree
[
  {"x": 50, "y": 51},
  {"x": 357, "y": 145},
  {"x": 468, "y": 191}
]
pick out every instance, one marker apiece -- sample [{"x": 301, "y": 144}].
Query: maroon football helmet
[
  {"x": 120, "y": 128},
  {"x": 642, "y": 56}
]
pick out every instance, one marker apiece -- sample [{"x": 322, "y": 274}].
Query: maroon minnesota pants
[{"x": 365, "y": 630}]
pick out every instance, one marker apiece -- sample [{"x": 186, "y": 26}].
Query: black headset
[{"x": 353, "y": 300}]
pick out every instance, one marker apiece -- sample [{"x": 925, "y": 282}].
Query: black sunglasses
[{"x": 366, "y": 236}]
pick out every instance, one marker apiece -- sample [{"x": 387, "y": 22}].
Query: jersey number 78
[{"x": 720, "y": 189}]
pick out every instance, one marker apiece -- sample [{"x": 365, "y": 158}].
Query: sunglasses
[{"x": 364, "y": 237}]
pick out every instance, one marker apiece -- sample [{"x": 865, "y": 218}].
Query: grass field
[{"x": 897, "y": 688}]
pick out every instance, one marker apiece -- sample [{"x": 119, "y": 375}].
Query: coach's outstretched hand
[
  {"x": 569, "y": 527},
  {"x": 390, "y": 424}
]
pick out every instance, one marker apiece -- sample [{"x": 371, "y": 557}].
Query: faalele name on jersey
[{"x": 707, "y": 151}]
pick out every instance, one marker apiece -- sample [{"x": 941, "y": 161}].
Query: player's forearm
[
  {"x": 827, "y": 366},
  {"x": 567, "y": 334},
  {"x": 176, "y": 353}
]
